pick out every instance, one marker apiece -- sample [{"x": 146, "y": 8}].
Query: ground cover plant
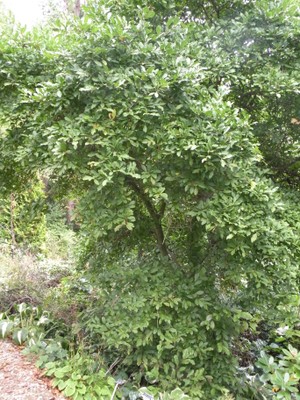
[{"x": 175, "y": 127}]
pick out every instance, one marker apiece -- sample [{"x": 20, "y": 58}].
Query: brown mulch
[{"x": 20, "y": 379}]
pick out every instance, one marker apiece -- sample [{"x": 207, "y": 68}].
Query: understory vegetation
[{"x": 149, "y": 198}]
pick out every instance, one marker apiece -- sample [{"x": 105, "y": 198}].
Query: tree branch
[{"x": 156, "y": 216}]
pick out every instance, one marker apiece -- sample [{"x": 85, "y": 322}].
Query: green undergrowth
[
  {"x": 119, "y": 332},
  {"x": 62, "y": 351},
  {"x": 28, "y": 277},
  {"x": 85, "y": 365},
  {"x": 76, "y": 373}
]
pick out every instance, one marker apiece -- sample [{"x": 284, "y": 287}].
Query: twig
[
  {"x": 112, "y": 365},
  {"x": 119, "y": 382}
]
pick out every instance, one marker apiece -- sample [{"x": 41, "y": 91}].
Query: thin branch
[
  {"x": 112, "y": 365},
  {"x": 216, "y": 8},
  {"x": 162, "y": 209},
  {"x": 154, "y": 214}
]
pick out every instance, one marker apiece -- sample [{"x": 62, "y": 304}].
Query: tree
[{"x": 153, "y": 120}]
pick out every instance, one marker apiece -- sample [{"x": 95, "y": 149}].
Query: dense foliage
[
  {"x": 22, "y": 217},
  {"x": 176, "y": 127}
]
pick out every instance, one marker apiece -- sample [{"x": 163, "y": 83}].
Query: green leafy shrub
[
  {"x": 22, "y": 216},
  {"x": 281, "y": 375},
  {"x": 80, "y": 378},
  {"x": 165, "y": 325},
  {"x": 46, "y": 350},
  {"x": 158, "y": 125},
  {"x": 67, "y": 300},
  {"x": 280, "y": 358},
  {"x": 285, "y": 326}
]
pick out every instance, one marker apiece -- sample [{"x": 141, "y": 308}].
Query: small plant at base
[
  {"x": 282, "y": 376},
  {"x": 27, "y": 324},
  {"x": 176, "y": 394},
  {"x": 79, "y": 378},
  {"x": 46, "y": 351}
]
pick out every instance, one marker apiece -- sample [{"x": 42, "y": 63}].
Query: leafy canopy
[{"x": 154, "y": 120}]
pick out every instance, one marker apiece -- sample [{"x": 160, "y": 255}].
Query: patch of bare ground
[{"x": 20, "y": 379}]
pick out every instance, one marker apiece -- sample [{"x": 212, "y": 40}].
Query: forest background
[{"x": 150, "y": 197}]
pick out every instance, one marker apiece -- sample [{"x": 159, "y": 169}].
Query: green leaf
[
  {"x": 6, "y": 328},
  {"x": 254, "y": 237},
  {"x": 69, "y": 390}
]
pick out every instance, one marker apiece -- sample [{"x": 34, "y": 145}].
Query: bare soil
[{"x": 20, "y": 379}]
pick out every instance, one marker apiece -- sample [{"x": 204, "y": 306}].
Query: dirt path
[{"x": 20, "y": 380}]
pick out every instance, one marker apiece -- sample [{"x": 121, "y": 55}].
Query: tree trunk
[
  {"x": 77, "y": 8},
  {"x": 154, "y": 214}
]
